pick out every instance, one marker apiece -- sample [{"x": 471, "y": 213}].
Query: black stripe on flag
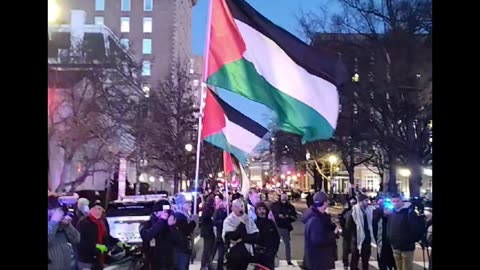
[
  {"x": 240, "y": 119},
  {"x": 317, "y": 62}
]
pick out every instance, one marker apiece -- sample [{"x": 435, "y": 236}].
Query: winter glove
[{"x": 101, "y": 248}]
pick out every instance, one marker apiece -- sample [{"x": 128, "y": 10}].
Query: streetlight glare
[
  {"x": 189, "y": 147},
  {"x": 333, "y": 159},
  {"x": 282, "y": 176},
  {"x": 53, "y": 11},
  {"x": 152, "y": 179},
  {"x": 404, "y": 172},
  {"x": 220, "y": 174}
]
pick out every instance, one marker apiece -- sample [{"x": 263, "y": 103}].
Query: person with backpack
[{"x": 404, "y": 228}]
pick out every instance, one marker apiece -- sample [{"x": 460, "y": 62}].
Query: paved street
[{"x": 298, "y": 242}]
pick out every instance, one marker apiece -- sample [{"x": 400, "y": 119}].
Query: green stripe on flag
[
  {"x": 220, "y": 141},
  {"x": 294, "y": 116}
]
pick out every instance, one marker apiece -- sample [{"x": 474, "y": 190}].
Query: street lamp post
[
  {"x": 189, "y": 149},
  {"x": 333, "y": 160},
  {"x": 160, "y": 179}
]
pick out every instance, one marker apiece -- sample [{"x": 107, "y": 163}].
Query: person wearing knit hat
[
  {"x": 268, "y": 240},
  {"x": 185, "y": 225},
  {"x": 61, "y": 236},
  {"x": 94, "y": 238},
  {"x": 320, "y": 235},
  {"x": 158, "y": 236},
  {"x": 362, "y": 197}
]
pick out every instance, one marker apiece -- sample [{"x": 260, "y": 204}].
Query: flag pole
[
  {"x": 200, "y": 115},
  {"x": 199, "y": 144}
]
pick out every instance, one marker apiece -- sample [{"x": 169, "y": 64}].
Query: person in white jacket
[{"x": 359, "y": 225}]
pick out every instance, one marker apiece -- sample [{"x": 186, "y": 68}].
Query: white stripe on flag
[
  {"x": 240, "y": 137},
  {"x": 284, "y": 74}
]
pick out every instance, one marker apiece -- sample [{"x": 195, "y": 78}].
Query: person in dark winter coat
[
  {"x": 359, "y": 226},
  {"x": 219, "y": 216},
  {"x": 320, "y": 235},
  {"x": 158, "y": 237},
  {"x": 185, "y": 225},
  {"x": 60, "y": 233},
  {"x": 346, "y": 236},
  {"x": 404, "y": 228},
  {"x": 207, "y": 233},
  {"x": 384, "y": 249},
  {"x": 94, "y": 239},
  {"x": 268, "y": 241},
  {"x": 285, "y": 214}
]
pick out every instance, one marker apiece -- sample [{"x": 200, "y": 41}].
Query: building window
[
  {"x": 125, "y": 43},
  {"x": 147, "y": 25},
  {"x": 125, "y": 5},
  {"x": 146, "y": 68},
  {"x": 99, "y": 5},
  {"x": 99, "y": 20},
  {"x": 125, "y": 24},
  {"x": 191, "y": 65},
  {"x": 147, "y": 5},
  {"x": 147, "y": 46}
]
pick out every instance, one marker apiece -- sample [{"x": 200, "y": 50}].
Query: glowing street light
[
  {"x": 282, "y": 176},
  {"x": 332, "y": 159},
  {"x": 266, "y": 173},
  {"x": 404, "y": 172},
  {"x": 220, "y": 174},
  {"x": 210, "y": 175},
  {"x": 189, "y": 147},
  {"x": 152, "y": 179},
  {"x": 53, "y": 11}
]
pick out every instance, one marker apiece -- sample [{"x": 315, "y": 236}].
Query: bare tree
[
  {"x": 92, "y": 97},
  {"x": 169, "y": 125},
  {"x": 391, "y": 43}
]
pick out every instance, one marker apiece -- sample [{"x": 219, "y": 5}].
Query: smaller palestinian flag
[{"x": 229, "y": 129}]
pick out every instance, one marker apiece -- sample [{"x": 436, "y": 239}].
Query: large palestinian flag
[{"x": 251, "y": 57}]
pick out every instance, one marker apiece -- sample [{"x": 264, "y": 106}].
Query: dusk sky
[{"x": 282, "y": 12}]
